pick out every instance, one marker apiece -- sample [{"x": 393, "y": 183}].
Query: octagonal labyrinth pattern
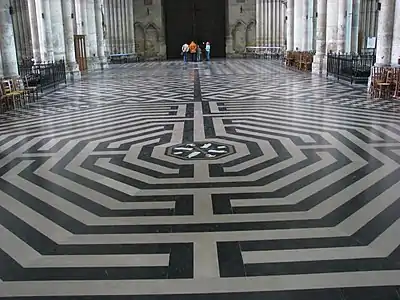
[{"x": 97, "y": 202}]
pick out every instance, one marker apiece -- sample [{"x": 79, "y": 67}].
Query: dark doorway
[{"x": 198, "y": 20}]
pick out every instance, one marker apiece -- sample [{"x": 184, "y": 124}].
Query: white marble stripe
[
  {"x": 181, "y": 110},
  {"x": 312, "y": 107},
  {"x": 279, "y": 132},
  {"x": 27, "y": 257},
  {"x": 34, "y": 219},
  {"x": 224, "y": 236},
  {"x": 100, "y": 198},
  {"x": 96, "y": 127},
  {"x": 100, "y": 118},
  {"x": 90, "y": 219},
  {"x": 205, "y": 255},
  {"x": 203, "y": 285},
  {"x": 381, "y": 247},
  {"x": 388, "y": 132},
  {"x": 20, "y": 150},
  {"x": 371, "y": 150},
  {"x": 282, "y": 118},
  {"x": 74, "y": 167},
  {"x": 304, "y": 192},
  {"x": 132, "y": 157},
  {"x": 47, "y": 120},
  {"x": 198, "y": 130},
  {"x": 370, "y": 135},
  {"x": 268, "y": 154}
]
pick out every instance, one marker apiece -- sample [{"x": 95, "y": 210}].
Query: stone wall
[
  {"x": 241, "y": 27},
  {"x": 149, "y": 28}
]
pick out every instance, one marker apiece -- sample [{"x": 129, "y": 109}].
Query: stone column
[
  {"x": 57, "y": 29},
  {"x": 355, "y": 20},
  {"x": 93, "y": 59},
  {"x": 98, "y": 6},
  {"x": 124, "y": 31},
  {"x": 396, "y": 35},
  {"x": 84, "y": 26},
  {"x": 132, "y": 25},
  {"x": 49, "y": 54},
  {"x": 262, "y": 23},
  {"x": 342, "y": 19},
  {"x": 258, "y": 20},
  {"x": 7, "y": 41},
  {"x": 1, "y": 67},
  {"x": 271, "y": 18},
  {"x": 283, "y": 23},
  {"x": 290, "y": 25},
  {"x": 34, "y": 30},
  {"x": 298, "y": 19},
  {"x": 304, "y": 46},
  {"x": 71, "y": 65},
  {"x": 318, "y": 61},
  {"x": 385, "y": 32},
  {"x": 331, "y": 25}
]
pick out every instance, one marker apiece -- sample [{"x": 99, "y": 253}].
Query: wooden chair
[
  {"x": 383, "y": 87},
  {"x": 5, "y": 99},
  {"x": 10, "y": 90}
]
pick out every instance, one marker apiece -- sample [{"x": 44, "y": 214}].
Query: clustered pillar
[
  {"x": 270, "y": 23},
  {"x": 52, "y": 31},
  {"x": 70, "y": 60},
  {"x": 8, "y": 53}
]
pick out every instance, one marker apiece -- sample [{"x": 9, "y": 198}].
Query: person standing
[
  {"x": 185, "y": 50},
  {"x": 208, "y": 50},
  {"x": 193, "y": 50},
  {"x": 198, "y": 53}
]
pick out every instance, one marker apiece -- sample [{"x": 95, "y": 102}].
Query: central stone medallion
[{"x": 200, "y": 151}]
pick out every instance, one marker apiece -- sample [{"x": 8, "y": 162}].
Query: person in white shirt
[
  {"x": 185, "y": 50},
  {"x": 208, "y": 50}
]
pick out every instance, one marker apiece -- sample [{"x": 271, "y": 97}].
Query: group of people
[{"x": 196, "y": 51}]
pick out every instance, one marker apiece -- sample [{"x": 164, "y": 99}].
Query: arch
[
  {"x": 139, "y": 38},
  {"x": 251, "y": 33},
  {"x": 239, "y": 36},
  {"x": 152, "y": 40}
]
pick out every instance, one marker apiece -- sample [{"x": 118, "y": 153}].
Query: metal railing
[
  {"x": 44, "y": 76},
  {"x": 350, "y": 67}
]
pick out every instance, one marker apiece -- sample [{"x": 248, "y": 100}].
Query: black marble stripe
[
  {"x": 230, "y": 259},
  {"x": 366, "y": 139},
  {"x": 209, "y": 129},
  {"x": 263, "y": 128},
  {"x": 189, "y": 110},
  {"x": 14, "y": 272},
  {"x": 316, "y": 267},
  {"x": 306, "y": 243}
]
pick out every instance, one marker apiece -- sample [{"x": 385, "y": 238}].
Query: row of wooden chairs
[
  {"x": 385, "y": 83},
  {"x": 301, "y": 60},
  {"x": 16, "y": 93}
]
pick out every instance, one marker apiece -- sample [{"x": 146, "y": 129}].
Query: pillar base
[
  {"x": 103, "y": 63},
  {"x": 72, "y": 72},
  {"x": 318, "y": 65},
  {"x": 93, "y": 63}
]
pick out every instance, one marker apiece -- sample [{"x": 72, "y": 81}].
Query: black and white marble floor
[{"x": 236, "y": 179}]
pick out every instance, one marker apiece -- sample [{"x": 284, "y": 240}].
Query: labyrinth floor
[{"x": 233, "y": 180}]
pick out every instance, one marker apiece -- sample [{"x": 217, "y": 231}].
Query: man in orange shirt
[{"x": 193, "y": 50}]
